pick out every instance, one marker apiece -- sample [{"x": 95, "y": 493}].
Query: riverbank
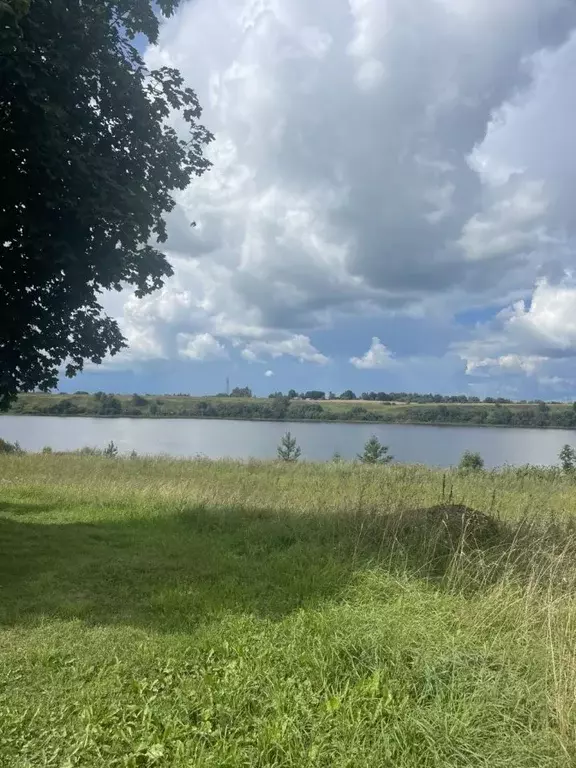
[
  {"x": 101, "y": 405},
  {"x": 176, "y": 613},
  {"x": 256, "y": 420}
]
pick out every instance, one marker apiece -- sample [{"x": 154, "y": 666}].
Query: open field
[
  {"x": 282, "y": 409},
  {"x": 176, "y": 613},
  {"x": 39, "y": 401}
]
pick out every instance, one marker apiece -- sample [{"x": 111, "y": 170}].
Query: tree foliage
[
  {"x": 282, "y": 408},
  {"x": 471, "y": 461},
  {"x": 7, "y": 447},
  {"x": 89, "y": 163},
  {"x": 288, "y": 450},
  {"x": 567, "y": 458},
  {"x": 314, "y": 394},
  {"x": 241, "y": 392},
  {"x": 375, "y": 453}
]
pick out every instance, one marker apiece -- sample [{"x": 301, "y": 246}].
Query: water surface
[{"x": 441, "y": 446}]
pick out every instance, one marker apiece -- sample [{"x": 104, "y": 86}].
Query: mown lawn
[{"x": 178, "y": 613}]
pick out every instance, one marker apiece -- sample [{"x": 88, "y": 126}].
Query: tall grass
[{"x": 197, "y": 613}]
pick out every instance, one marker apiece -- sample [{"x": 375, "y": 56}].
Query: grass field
[
  {"x": 535, "y": 415},
  {"x": 37, "y": 401},
  {"x": 176, "y": 613}
]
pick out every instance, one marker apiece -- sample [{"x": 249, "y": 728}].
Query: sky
[{"x": 390, "y": 205}]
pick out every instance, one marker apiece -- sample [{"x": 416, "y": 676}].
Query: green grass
[
  {"x": 176, "y": 613},
  {"x": 38, "y": 402}
]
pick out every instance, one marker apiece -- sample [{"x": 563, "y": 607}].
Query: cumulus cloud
[
  {"x": 297, "y": 346},
  {"x": 367, "y": 159},
  {"x": 527, "y": 337},
  {"x": 378, "y": 356},
  {"x": 203, "y": 346},
  {"x": 268, "y": 374},
  {"x": 505, "y": 363}
]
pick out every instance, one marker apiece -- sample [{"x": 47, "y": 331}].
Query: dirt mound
[
  {"x": 456, "y": 524},
  {"x": 465, "y": 521}
]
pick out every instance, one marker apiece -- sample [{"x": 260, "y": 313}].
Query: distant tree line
[
  {"x": 417, "y": 398},
  {"x": 284, "y": 408},
  {"x": 391, "y": 397}
]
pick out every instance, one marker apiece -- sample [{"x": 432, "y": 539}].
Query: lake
[{"x": 440, "y": 446}]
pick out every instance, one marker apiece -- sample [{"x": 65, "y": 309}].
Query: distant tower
[{"x": 227, "y": 386}]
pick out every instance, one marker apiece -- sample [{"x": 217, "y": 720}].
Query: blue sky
[{"x": 390, "y": 204}]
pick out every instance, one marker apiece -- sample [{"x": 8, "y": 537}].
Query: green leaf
[
  {"x": 88, "y": 171},
  {"x": 332, "y": 704}
]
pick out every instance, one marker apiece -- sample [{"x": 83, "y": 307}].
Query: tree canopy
[{"x": 89, "y": 163}]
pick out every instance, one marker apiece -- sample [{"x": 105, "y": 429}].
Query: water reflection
[{"x": 433, "y": 445}]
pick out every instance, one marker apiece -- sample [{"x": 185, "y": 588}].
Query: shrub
[
  {"x": 288, "y": 450},
  {"x": 375, "y": 453},
  {"x": 47, "y": 449},
  {"x": 471, "y": 461},
  {"x": 358, "y": 413},
  {"x": 111, "y": 450},
  {"x": 567, "y": 458},
  {"x": 88, "y": 450},
  {"x": 6, "y": 447},
  {"x": 109, "y": 405}
]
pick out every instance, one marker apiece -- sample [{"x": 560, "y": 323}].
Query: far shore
[{"x": 337, "y": 422}]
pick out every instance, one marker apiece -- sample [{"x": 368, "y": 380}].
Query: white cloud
[
  {"x": 425, "y": 186},
  {"x": 297, "y": 346},
  {"x": 268, "y": 374},
  {"x": 513, "y": 223},
  {"x": 528, "y": 364},
  {"x": 249, "y": 355},
  {"x": 144, "y": 344},
  {"x": 378, "y": 356},
  {"x": 527, "y": 338},
  {"x": 203, "y": 346},
  {"x": 557, "y": 383},
  {"x": 550, "y": 320}
]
